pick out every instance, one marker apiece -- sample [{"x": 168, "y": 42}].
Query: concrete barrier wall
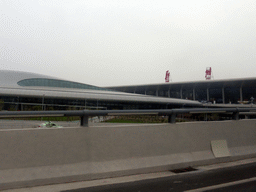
[{"x": 30, "y": 157}]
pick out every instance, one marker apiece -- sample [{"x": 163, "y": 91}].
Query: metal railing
[{"x": 171, "y": 113}]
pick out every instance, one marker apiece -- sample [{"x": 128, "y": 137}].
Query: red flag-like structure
[
  {"x": 208, "y": 73},
  {"x": 167, "y": 76}
]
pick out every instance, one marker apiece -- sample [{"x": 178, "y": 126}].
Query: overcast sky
[{"x": 128, "y": 42}]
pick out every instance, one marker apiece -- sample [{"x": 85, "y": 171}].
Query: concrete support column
[
  {"x": 172, "y": 118},
  {"x": 223, "y": 95},
  {"x": 84, "y": 121},
  {"x": 181, "y": 93},
  {"x": 208, "y": 95},
  {"x": 194, "y": 94},
  {"x": 241, "y": 94}
]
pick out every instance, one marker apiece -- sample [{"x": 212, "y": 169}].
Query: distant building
[
  {"x": 227, "y": 91},
  {"x": 30, "y": 91}
]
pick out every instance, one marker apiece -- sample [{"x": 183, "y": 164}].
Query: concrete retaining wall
[{"x": 30, "y": 157}]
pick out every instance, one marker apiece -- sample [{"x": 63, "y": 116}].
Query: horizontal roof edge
[{"x": 187, "y": 82}]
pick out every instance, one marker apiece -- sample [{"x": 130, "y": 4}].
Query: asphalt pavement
[
  {"x": 188, "y": 181},
  {"x": 233, "y": 176}
]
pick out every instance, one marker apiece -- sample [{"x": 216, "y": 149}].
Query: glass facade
[
  {"x": 215, "y": 95},
  {"x": 248, "y": 93},
  {"x": 187, "y": 94},
  {"x": 40, "y": 82},
  {"x": 175, "y": 94},
  {"x": 12, "y": 103},
  {"x": 150, "y": 92},
  {"x": 201, "y": 94},
  {"x": 234, "y": 92},
  {"x": 163, "y": 93}
]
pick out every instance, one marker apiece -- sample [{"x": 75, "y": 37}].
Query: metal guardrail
[{"x": 171, "y": 113}]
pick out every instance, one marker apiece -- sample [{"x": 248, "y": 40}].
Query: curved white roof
[
  {"x": 10, "y": 78},
  {"x": 9, "y": 86}
]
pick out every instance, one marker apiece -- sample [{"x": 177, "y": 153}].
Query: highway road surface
[
  {"x": 195, "y": 181},
  {"x": 234, "y": 176}
]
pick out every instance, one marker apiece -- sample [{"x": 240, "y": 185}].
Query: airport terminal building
[
  {"x": 30, "y": 91},
  {"x": 229, "y": 91}
]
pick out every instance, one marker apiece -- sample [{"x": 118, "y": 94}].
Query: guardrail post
[
  {"x": 236, "y": 115},
  {"x": 84, "y": 121},
  {"x": 172, "y": 118}
]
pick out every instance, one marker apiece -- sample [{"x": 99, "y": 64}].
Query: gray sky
[{"x": 127, "y": 42}]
